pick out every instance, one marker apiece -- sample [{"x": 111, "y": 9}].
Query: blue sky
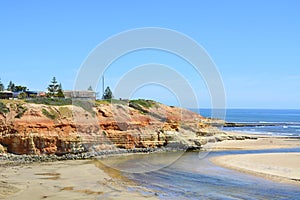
[{"x": 255, "y": 44}]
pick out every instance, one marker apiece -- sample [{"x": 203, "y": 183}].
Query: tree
[
  {"x": 1, "y": 86},
  {"x": 53, "y": 88},
  {"x": 22, "y": 95},
  {"x": 90, "y": 88},
  {"x": 16, "y": 88},
  {"x": 60, "y": 92},
  {"x": 107, "y": 94},
  {"x": 11, "y": 86},
  {"x": 20, "y": 88}
]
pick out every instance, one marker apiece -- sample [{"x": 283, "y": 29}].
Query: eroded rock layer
[{"x": 42, "y": 129}]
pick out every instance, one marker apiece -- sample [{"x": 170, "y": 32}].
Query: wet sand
[{"x": 67, "y": 180}]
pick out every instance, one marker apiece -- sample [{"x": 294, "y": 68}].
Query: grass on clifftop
[
  {"x": 141, "y": 105},
  {"x": 111, "y": 101},
  {"x": 143, "y": 102},
  {"x": 50, "y": 101},
  {"x": 85, "y": 104}
]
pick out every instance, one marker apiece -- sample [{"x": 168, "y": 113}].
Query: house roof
[{"x": 6, "y": 92}]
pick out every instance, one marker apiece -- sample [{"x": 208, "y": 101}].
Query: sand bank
[
  {"x": 66, "y": 180},
  {"x": 262, "y": 142},
  {"x": 282, "y": 167}
]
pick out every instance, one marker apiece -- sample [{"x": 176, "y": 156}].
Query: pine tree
[
  {"x": 53, "y": 88},
  {"x": 60, "y": 92},
  {"x": 90, "y": 88},
  {"x": 107, "y": 94}
]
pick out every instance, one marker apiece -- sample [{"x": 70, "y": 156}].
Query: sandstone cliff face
[{"x": 42, "y": 129}]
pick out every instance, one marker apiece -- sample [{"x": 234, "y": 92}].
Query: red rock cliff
[{"x": 42, "y": 129}]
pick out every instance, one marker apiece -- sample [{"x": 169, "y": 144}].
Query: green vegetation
[
  {"x": 107, "y": 94},
  {"x": 16, "y": 88},
  {"x": 101, "y": 102},
  {"x": 144, "y": 103},
  {"x": 20, "y": 110},
  {"x": 50, "y": 101},
  {"x": 65, "y": 112},
  {"x": 109, "y": 101},
  {"x": 141, "y": 105},
  {"x": 55, "y": 89},
  {"x": 90, "y": 88},
  {"x": 1, "y": 86},
  {"x": 22, "y": 95},
  {"x": 3, "y": 108},
  {"x": 52, "y": 114},
  {"x": 86, "y": 105}
]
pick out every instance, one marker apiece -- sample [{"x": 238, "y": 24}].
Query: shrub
[
  {"x": 22, "y": 95},
  {"x": 136, "y": 106},
  {"x": 51, "y": 115},
  {"x": 3, "y": 108},
  {"x": 144, "y": 103},
  {"x": 20, "y": 110}
]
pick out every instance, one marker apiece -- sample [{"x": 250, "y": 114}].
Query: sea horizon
[{"x": 285, "y": 122}]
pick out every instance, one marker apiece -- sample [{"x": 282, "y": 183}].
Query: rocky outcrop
[{"x": 43, "y": 129}]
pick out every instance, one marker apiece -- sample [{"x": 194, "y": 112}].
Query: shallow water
[{"x": 190, "y": 177}]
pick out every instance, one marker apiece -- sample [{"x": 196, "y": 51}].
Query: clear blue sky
[{"x": 255, "y": 44}]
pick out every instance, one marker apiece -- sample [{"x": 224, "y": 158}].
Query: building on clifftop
[{"x": 80, "y": 94}]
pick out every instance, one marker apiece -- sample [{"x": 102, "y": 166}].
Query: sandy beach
[
  {"x": 262, "y": 142},
  {"x": 66, "y": 180},
  {"x": 281, "y": 167}
]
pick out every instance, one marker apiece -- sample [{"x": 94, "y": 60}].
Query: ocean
[
  {"x": 192, "y": 176},
  {"x": 287, "y": 122}
]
